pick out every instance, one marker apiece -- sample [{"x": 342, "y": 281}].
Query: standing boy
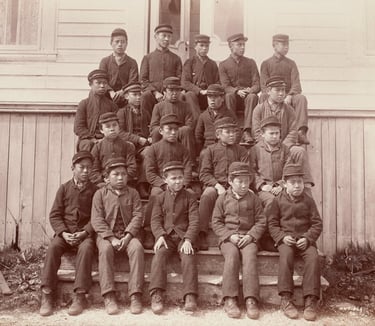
[
  {"x": 295, "y": 225},
  {"x": 174, "y": 224},
  {"x": 158, "y": 65},
  {"x": 239, "y": 222},
  {"x": 116, "y": 218},
  {"x": 86, "y": 122},
  {"x": 70, "y": 220}
]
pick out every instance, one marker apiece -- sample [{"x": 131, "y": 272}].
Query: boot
[
  {"x": 288, "y": 307},
  {"x": 190, "y": 302},
  {"x": 136, "y": 303},
  {"x": 203, "y": 245},
  {"x": 231, "y": 308},
  {"x": 311, "y": 305},
  {"x": 46, "y": 307},
  {"x": 252, "y": 309},
  {"x": 110, "y": 303},
  {"x": 302, "y": 137},
  {"x": 157, "y": 302},
  {"x": 247, "y": 139},
  {"x": 79, "y": 303},
  {"x": 143, "y": 189}
]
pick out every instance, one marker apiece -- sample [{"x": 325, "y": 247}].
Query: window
[{"x": 229, "y": 18}]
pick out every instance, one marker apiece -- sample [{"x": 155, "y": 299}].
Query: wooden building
[{"x": 47, "y": 48}]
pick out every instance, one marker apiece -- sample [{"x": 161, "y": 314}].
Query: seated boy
[
  {"x": 239, "y": 222},
  {"x": 116, "y": 218},
  {"x": 112, "y": 145},
  {"x": 86, "y": 125},
  {"x": 70, "y": 219},
  {"x": 295, "y": 224},
  {"x": 213, "y": 173},
  {"x": 174, "y": 223}
]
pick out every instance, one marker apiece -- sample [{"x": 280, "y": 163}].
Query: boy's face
[
  {"x": 174, "y": 179},
  {"x": 238, "y": 48},
  {"x": 215, "y": 101},
  {"x": 172, "y": 94},
  {"x": 118, "y": 177},
  {"x": 99, "y": 86},
  {"x": 202, "y": 48},
  {"x": 163, "y": 39},
  {"x": 294, "y": 185},
  {"x": 271, "y": 135},
  {"x": 82, "y": 169},
  {"x": 133, "y": 98},
  {"x": 110, "y": 129},
  {"x": 240, "y": 184},
  {"x": 119, "y": 44},
  {"x": 169, "y": 132},
  {"x": 281, "y": 48},
  {"x": 227, "y": 135},
  {"x": 276, "y": 94}
]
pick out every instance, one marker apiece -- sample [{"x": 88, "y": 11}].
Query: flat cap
[
  {"x": 114, "y": 162},
  {"x": 96, "y": 74},
  {"x": 119, "y": 32},
  {"x": 201, "y": 38},
  {"x": 172, "y": 82},
  {"x": 108, "y": 116},
  {"x": 173, "y": 165},
  {"x": 215, "y": 89},
  {"x": 270, "y": 121},
  {"x": 275, "y": 81},
  {"x": 170, "y": 119},
  {"x": 225, "y": 122},
  {"x": 166, "y": 28},
  {"x": 81, "y": 155},
  {"x": 237, "y": 37},
  {"x": 291, "y": 170},
  {"x": 239, "y": 168},
  {"x": 280, "y": 38},
  {"x": 132, "y": 87}
]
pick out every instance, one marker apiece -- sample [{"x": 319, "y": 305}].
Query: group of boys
[{"x": 154, "y": 134}]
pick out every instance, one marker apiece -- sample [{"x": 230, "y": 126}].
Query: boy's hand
[
  {"x": 203, "y": 91},
  {"x": 117, "y": 95},
  {"x": 142, "y": 141},
  {"x": 160, "y": 243},
  {"x": 187, "y": 248},
  {"x": 288, "y": 100},
  {"x": 244, "y": 241},
  {"x": 219, "y": 188},
  {"x": 235, "y": 238},
  {"x": 266, "y": 188},
  {"x": 276, "y": 190},
  {"x": 302, "y": 243},
  {"x": 69, "y": 238},
  {"x": 242, "y": 93},
  {"x": 124, "y": 242},
  {"x": 116, "y": 243},
  {"x": 289, "y": 240},
  {"x": 158, "y": 96}
]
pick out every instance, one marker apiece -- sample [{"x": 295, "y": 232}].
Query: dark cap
[
  {"x": 97, "y": 73},
  {"x": 201, "y": 38},
  {"x": 291, "y": 170},
  {"x": 81, "y": 155},
  {"x": 114, "y": 162},
  {"x": 172, "y": 82},
  {"x": 237, "y": 37},
  {"x": 280, "y": 38},
  {"x": 132, "y": 87},
  {"x": 108, "y": 116},
  {"x": 239, "y": 168},
  {"x": 275, "y": 81},
  {"x": 215, "y": 89},
  {"x": 119, "y": 32},
  {"x": 225, "y": 122},
  {"x": 170, "y": 119},
  {"x": 173, "y": 165},
  {"x": 166, "y": 28},
  {"x": 270, "y": 121}
]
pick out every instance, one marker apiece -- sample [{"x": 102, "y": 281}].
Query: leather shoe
[
  {"x": 110, "y": 303},
  {"x": 157, "y": 302},
  {"x": 231, "y": 308},
  {"x": 252, "y": 309},
  {"x": 190, "y": 302}
]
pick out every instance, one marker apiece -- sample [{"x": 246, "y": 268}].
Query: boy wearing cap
[
  {"x": 70, "y": 220},
  {"x": 112, "y": 145},
  {"x": 117, "y": 218},
  {"x": 239, "y": 222},
  {"x": 197, "y": 74},
  {"x": 295, "y": 225},
  {"x": 205, "y": 129},
  {"x": 213, "y": 174},
  {"x": 174, "y": 224},
  {"x": 240, "y": 77},
  {"x": 86, "y": 122},
  {"x": 280, "y": 65},
  {"x": 158, "y": 65},
  {"x": 121, "y": 68}
]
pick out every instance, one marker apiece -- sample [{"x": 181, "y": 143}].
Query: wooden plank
[
  {"x": 74, "y": 69},
  {"x": 92, "y": 16},
  {"x": 338, "y": 73},
  {"x": 27, "y": 181},
  {"x": 329, "y": 185},
  {"x": 82, "y": 42},
  {"x": 318, "y": 46},
  {"x": 318, "y": 59},
  {"x": 341, "y": 101},
  {"x": 343, "y": 183},
  {"x": 23, "y": 68},
  {"x": 357, "y": 181},
  {"x": 308, "y": 19},
  {"x": 84, "y": 5},
  {"x": 346, "y": 87},
  {"x": 314, "y": 33},
  {"x": 68, "y": 147},
  {"x": 89, "y": 29},
  {"x": 4, "y": 169}
]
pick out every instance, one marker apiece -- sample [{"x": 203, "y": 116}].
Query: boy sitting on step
[
  {"x": 239, "y": 222},
  {"x": 174, "y": 223}
]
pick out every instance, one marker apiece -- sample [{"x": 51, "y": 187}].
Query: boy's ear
[
  {"x": 126, "y": 96},
  {"x": 160, "y": 130},
  {"x": 72, "y": 167},
  {"x": 217, "y": 133}
]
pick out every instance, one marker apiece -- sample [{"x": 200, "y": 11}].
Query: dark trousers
[
  {"x": 232, "y": 101},
  {"x": 206, "y": 207},
  {"x": 197, "y": 103},
  {"x": 158, "y": 278},
  {"x": 232, "y": 264},
  {"x": 311, "y": 270},
  {"x": 148, "y": 101},
  {"x": 85, "y": 253}
]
